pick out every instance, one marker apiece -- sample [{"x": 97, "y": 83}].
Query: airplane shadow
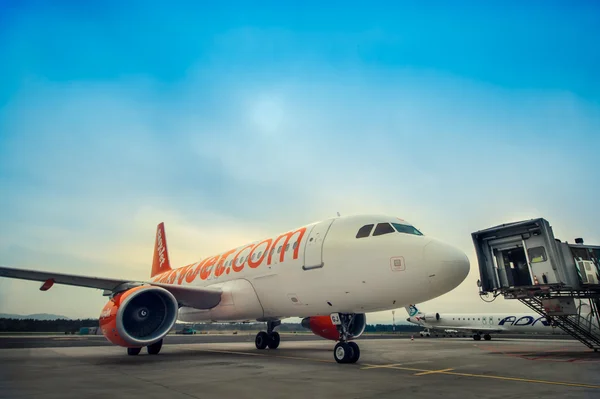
[{"x": 223, "y": 356}]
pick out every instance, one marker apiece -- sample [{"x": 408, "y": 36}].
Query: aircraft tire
[
  {"x": 261, "y": 341},
  {"x": 154, "y": 349},
  {"x": 273, "y": 340},
  {"x": 342, "y": 352},
  {"x": 356, "y": 352},
  {"x": 133, "y": 351}
]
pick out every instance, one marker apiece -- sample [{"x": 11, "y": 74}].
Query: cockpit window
[
  {"x": 403, "y": 228},
  {"x": 364, "y": 231},
  {"x": 383, "y": 228}
]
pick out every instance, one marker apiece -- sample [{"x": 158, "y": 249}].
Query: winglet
[{"x": 160, "y": 263}]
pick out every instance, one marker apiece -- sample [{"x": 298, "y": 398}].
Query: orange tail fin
[{"x": 160, "y": 263}]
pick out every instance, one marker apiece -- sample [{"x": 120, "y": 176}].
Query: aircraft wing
[{"x": 196, "y": 297}]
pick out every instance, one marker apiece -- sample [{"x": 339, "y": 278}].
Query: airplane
[
  {"x": 330, "y": 273},
  {"x": 480, "y": 324}
]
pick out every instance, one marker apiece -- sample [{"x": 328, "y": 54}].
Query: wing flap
[{"x": 196, "y": 297}]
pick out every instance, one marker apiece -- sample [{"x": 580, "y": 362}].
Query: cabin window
[
  {"x": 279, "y": 249},
  {"x": 287, "y": 246},
  {"x": 383, "y": 228},
  {"x": 295, "y": 245},
  {"x": 364, "y": 231},
  {"x": 537, "y": 254},
  {"x": 406, "y": 229}
]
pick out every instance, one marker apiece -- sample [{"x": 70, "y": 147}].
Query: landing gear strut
[
  {"x": 270, "y": 338},
  {"x": 344, "y": 351}
]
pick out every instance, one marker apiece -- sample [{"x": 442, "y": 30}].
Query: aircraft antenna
[{"x": 338, "y": 214}]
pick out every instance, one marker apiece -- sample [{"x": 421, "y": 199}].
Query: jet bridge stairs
[{"x": 581, "y": 326}]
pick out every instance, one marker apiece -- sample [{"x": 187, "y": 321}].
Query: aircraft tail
[
  {"x": 412, "y": 310},
  {"x": 160, "y": 263}
]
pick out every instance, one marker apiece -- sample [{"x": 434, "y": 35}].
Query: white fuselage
[
  {"x": 323, "y": 268},
  {"x": 490, "y": 322}
]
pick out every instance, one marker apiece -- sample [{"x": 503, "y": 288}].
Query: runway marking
[
  {"x": 420, "y": 371},
  {"x": 381, "y": 366},
  {"x": 433, "y": 371},
  {"x": 569, "y": 384},
  {"x": 497, "y": 377}
]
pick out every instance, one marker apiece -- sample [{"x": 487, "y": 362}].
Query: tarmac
[{"x": 224, "y": 366}]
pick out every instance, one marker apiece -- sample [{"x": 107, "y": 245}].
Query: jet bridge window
[
  {"x": 364, "y": 231},
  {"x": 383, "y": 228},
  {"x": 537, "y": 254},
  {"x": 404, "y": 228}
]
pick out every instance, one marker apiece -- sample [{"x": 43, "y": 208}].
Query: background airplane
[
  {"x": 330, "y": 273},
  {"x": 480, "y": 323}
]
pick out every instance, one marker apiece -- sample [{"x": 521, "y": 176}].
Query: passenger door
[{"x": 313, "y": 252}]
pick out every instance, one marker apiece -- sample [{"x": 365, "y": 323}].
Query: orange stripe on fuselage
[{"x": 220, "y": 264}]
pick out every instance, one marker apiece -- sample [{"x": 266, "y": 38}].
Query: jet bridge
[{"x": 523, "y": 260}]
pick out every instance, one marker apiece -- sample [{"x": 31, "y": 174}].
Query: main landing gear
[
  {"x": 344, "y": 351},
  {"x": 152, "y": 349},
  {"x": 477, "y": 337},
  {"x": 269, "y": 338}
]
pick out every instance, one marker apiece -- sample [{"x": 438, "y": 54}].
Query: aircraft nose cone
[{"x": 447, "y": 266}]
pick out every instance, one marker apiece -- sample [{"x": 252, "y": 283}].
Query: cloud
[{"x": 91, "y": 167}]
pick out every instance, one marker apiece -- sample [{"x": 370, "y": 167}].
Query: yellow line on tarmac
[
  {"x": 433, "y": 372},
  {"x": 497, "y": 377},
  {"x": 569, "y": 384},
  {"x": 389, "y": 366},
  {"x": 420, "y": 371},
  {"x": 381, "y": 366}
]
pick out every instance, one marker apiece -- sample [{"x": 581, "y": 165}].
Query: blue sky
[{"x": 233, "y": 122}]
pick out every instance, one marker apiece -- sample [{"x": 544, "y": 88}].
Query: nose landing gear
[{"x": 344, "y": 351}]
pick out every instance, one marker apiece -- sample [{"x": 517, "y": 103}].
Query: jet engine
[
  {"x": 323, "y": 327},
  {"x": 139, "y": 316},
  {"x": 431, "y": 317}
]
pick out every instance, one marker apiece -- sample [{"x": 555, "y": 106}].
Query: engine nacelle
[
  {"x": 139, "y": 316},
  {"x": 323, "y": 327},
  {"x": 431, "y": 317}
]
